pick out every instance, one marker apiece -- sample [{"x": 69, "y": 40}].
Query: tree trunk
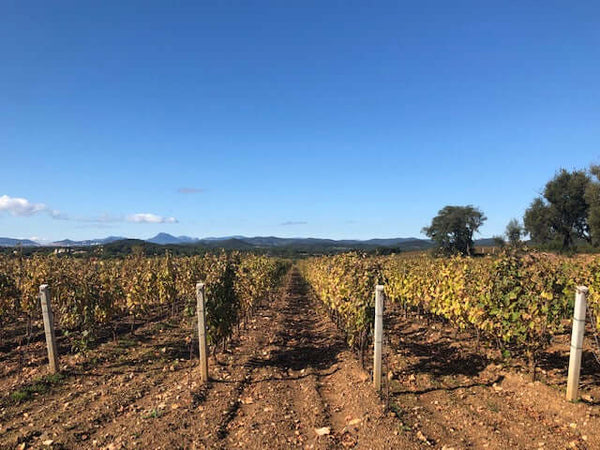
[{"x": 533, "y": 365}]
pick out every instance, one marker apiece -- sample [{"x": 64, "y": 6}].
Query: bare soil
[
  {"x": 288, "y": 380},
  {"x": 458, "y": 396}
]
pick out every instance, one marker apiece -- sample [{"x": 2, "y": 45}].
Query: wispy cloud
[
  {"x": 190, "y": 190},
  {"x": 21, "y": 207},
  {"x": 55, "y": 214},
  {"x": 150, "y": 218},
  {"x": 293, "y": 222}
]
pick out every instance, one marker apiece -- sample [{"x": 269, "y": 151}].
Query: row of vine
[
  {"x": 88, "y": 295},
  {"x": 518, "y": 301}
]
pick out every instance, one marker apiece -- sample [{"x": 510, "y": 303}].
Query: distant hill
[
  {"x": 88, "y": 242},
  {"x": 332, "y": 244},
  {"x": 227, "y": 244},
  {"x": 224, "y": 238},
  {"x": 164, "y": 239},
  {"x": 10, "y": 242},
  {"x": 260, "y": 243},
  {"x": 67, "y": 243},
  {"x": 486, "y": 242},
  {"x": 167, "y": 239}
]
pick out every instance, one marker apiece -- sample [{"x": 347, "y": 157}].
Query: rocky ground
[{"x": 287, "y": 381}]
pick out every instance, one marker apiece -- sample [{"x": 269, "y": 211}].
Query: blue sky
[{"x": 326, "y": 119}]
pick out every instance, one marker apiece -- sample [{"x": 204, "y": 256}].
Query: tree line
[{"x": 565, "y": 215}]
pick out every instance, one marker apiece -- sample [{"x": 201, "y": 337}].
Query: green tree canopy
[
  {"x": 592, "y": 197},
  {"x": 514, "y": 232},
  {"x": 562, "y": 212},
  {"x": 453, "y": 228}
]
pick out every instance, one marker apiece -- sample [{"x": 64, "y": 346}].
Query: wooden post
[
  {"x": 378, "y": 341},
  {"x": 202, "y": 332},
  {"x": 49, "y": 328},
  {"x": 576, "y": 343}
]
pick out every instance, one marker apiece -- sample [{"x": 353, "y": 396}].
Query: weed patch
[{"x": 38, "y": 386}]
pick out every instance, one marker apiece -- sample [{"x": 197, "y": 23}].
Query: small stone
[
  {"x": 322, "y": 431},
  {"x": 421, "y": 436}
]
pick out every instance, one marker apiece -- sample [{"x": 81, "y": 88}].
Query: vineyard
[
  {"x": 283, "y": 339},
  {"x": 518, "y": 302},
  {"x": 89, "y": 296}
]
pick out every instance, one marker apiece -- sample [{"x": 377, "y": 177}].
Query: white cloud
[
  {"x": 150, "y": 218},
  {"x": 293, "y": 222},
  {"x": 22, "y": 207}
]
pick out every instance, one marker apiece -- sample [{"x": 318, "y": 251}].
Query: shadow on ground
[{"x": 437, "y": 356}]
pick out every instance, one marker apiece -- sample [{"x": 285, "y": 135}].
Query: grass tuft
[{"x": 38, "y": 386}]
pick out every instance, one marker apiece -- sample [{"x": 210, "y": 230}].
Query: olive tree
[
  {"x": 514, "y": 232},
  {"x": 453, "y": 228},
  {"x": 561, "y": 213}
]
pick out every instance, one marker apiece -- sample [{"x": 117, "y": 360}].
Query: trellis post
[
  {"x": 202, "y": 332},
  {"x": 576, "y": 342},
  {"x": 49, "y": 328},
  {"x": 378, "y": 338}
]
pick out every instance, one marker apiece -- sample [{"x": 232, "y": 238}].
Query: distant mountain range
[
  {"x": 243, "y": 242},
  {"x": 70, "y": 243},
  {"x": 168, "y": 239},
  {"x": 9, "y": 242},
  {"x": 272, "y": 241}
]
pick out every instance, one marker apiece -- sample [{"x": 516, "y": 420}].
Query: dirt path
[
  {"x": 288, "y": 375},
  {"x": 306, "y": 380}
]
